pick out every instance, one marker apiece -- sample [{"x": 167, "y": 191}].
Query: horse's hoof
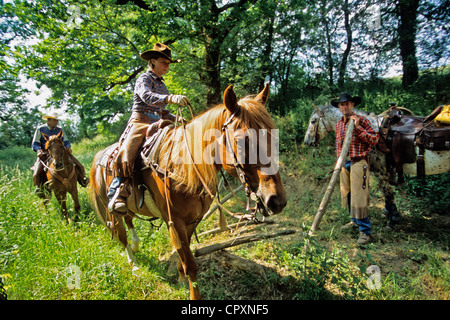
[{"x": 130, "y": 257}]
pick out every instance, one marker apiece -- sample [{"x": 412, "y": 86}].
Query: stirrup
[{"x": 84, "y": 182}]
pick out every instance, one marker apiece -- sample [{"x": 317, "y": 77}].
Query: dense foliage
[{"x": 87, "y": 54}]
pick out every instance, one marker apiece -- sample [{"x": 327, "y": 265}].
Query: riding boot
[
  {"x": 392, "y": 213},
  {"x": 38, "y": 178},
  {"x": 400, "y": 178},
  {"x": 81, "y": 174},
  {"x": 118, "y": 202}
]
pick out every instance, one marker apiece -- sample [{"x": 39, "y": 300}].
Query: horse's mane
[{"x": 207, "y": 127}]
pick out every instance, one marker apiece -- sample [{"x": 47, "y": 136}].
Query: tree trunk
[
  {"x": 407, "y": 37},
  {"x": 266, "y": 66},
  {"x": 328, "y": 40},
  {"x": 348, "y": 30},
  {"x": 212, "y": 64}
]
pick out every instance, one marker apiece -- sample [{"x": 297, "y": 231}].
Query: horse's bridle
[
  {"x": 250, "y": 195},
  {"x": 54, "y": 171},
  {"x": 321, "y": 115},
  {"x": 62, "y": 157}
]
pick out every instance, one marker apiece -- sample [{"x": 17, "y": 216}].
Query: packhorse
[
  {"x": 61, "y": 175},
  {"x": 176, "y": 176},
  {"x": 404, "y": 146}
]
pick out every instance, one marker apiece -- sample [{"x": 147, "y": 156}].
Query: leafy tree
[
  {"x": 87, "y": 52},
  {"x": 15, "y": 116}
]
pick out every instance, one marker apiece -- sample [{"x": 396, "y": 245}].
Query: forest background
[{"x": 85, "y": 55}]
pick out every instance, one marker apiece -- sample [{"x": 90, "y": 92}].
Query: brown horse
[
  {"x": 61, "y": 175},
  {"x": 192, "y": 155}
]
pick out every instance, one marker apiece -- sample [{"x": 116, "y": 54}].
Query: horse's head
[
  {"x": 250, "y": 149},
  {"x": 56, "y": 149},
  {"x": 320, "y": 124}
]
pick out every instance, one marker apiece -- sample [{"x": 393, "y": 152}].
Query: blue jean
[
  {"x": 364, "y": 225},
  {"x": 113, "y": 186}
]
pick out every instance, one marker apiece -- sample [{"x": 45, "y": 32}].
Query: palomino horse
[
  {"x": 61, "y": 175},
  {"x": 191, "y": 157},
  {"x": 323, "y": 120}
]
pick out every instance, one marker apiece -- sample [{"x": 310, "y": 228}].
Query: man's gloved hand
[{"x": 178, "y": 99}]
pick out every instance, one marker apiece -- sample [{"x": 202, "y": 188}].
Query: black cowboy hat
[
  {"x": 345, "y": 97},
  {"x": 160, "y": 50}
]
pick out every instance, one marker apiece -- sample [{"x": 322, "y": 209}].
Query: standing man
[
  {"x": 149, "y": 101},
  {"x": 41, "y": 135},
  {"x": 354, "y": 177}
]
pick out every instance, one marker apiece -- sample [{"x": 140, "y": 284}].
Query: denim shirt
[{"x": 39, "y": 140}]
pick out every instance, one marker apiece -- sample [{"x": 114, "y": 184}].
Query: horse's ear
[
  {"x": 263, "y": 96},
  {"x": 230, "y": 99},
  {"x": 59, "y": 135},
  {"x": 45, "y": 136}
]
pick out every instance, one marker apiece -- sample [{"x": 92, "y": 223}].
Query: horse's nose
[
  {"x": 58, "y": 165},
  {"x": 276, "y": 203},
  {"x": 309, "y": 142}
]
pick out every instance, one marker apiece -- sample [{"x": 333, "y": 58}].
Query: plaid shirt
[
  {"x": 150, "y": 93},
  {"x": 363, "y": 138}
]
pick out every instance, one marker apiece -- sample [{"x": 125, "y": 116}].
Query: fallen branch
[
  {"x": 240, "y": 240},
  {"x": 233, "y": 225},
  {"x": 222, "y": 201}
]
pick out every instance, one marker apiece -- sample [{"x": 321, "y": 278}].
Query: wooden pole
[{"x": 334, "y": 178}]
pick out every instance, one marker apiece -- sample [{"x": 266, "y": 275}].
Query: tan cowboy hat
[
  {"x": 160, "y": 50},
  {"x": 52, "y": 115}
]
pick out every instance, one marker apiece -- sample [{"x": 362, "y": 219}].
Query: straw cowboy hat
[
  {"x": 52, "y": 115},
  {"x": 345, "y": 97},
  {"x": 160, "y": 50}
]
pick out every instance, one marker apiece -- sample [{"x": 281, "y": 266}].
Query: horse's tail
[{"x": 95, "y": 194}]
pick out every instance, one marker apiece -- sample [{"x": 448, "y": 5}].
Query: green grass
[{"x": 39, "y": 249}]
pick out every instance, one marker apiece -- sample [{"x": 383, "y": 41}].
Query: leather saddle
[
  {"x": 401, "y": 134},
  {"x": 140, "y": 200}
]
